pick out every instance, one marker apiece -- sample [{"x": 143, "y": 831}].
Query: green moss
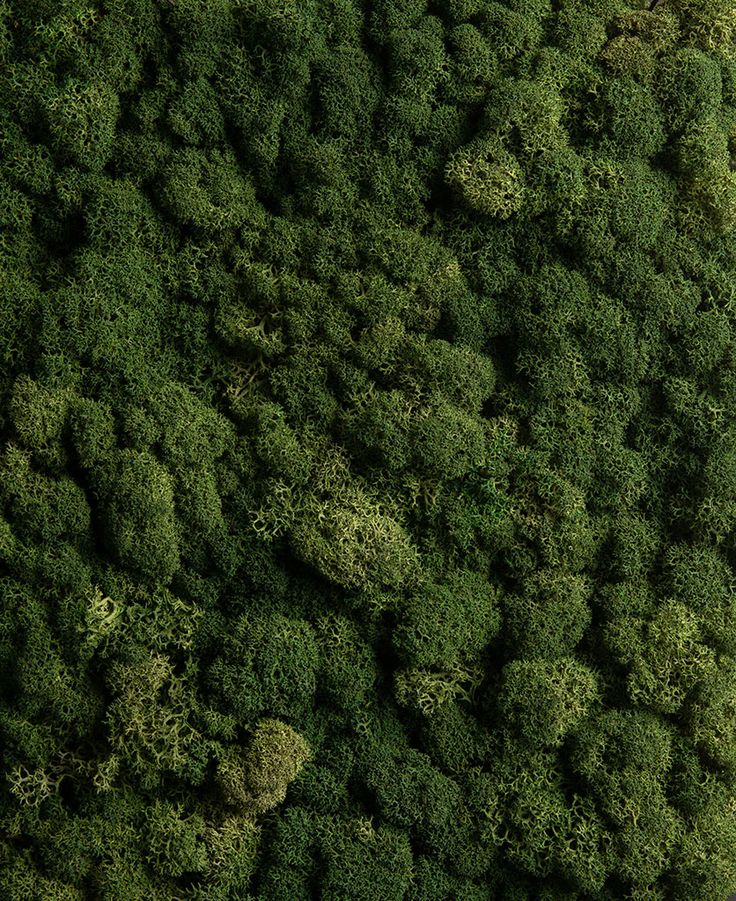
[{"x": 366, "y": 449}]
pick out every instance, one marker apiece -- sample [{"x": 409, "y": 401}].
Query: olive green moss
[{"x": 367, "y": 450}]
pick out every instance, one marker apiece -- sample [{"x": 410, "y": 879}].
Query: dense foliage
[{"x": 367, "y": 450}]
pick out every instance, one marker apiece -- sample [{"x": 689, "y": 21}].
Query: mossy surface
[{"x": 367, "y": 450}]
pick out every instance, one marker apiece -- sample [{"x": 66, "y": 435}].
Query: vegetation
[{"x": 367, "y": 450}]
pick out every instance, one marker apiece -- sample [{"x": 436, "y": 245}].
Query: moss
[{"x": 366, "y": 449}]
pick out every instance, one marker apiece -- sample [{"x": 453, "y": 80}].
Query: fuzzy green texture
[{"x": 367, "y": 450}]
